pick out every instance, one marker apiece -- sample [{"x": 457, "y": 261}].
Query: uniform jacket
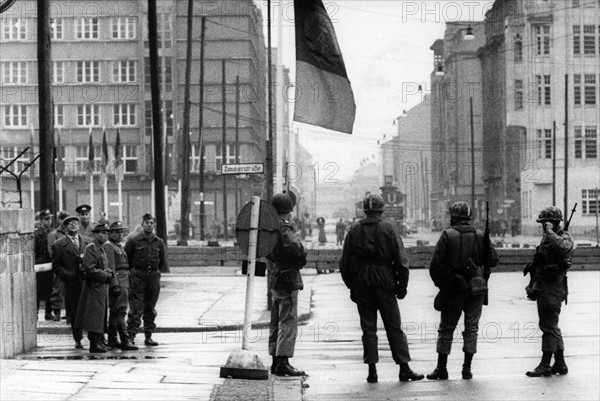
[
  {"x": 455, "y": 246},
  {"x": 552, "y": 259},
  {"x": 289, "y": 256},
  {"x": 117, "y": 262},
  {"x": 144, "y": 253},
  {"x": 42, "y": 254},
  {"x": 91, "y": 312},
  {"x": 374, "y": 256},
  {"x": 67, "y": 264},
  {"x": 53, "y": 236},
  {"x": 86, "y": 231}
]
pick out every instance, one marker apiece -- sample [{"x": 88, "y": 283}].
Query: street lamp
[{"x": 469, "y": 33}]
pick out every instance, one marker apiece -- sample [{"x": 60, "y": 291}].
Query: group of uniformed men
[{"x": 98, "y": 279}]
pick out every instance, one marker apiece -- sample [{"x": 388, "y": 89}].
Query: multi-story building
[
  {"x": 456, "y": 132},
  {"x": 542, "y": 58},
  {"x": 101, "y": 82}
]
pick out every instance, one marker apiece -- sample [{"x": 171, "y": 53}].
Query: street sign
[
  {"x": 243, "y": 168},
  {"x": 268, "y": 227}
]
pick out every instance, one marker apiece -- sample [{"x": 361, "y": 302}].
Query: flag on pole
[
  {"x": 119, "y": 166},
  {"x": 324, "y": 95},
  {"x": 91, "y": 157},
  {"x": 104, "y": 163},
  {"x": 31, "y": 145},
  {"x": 60, "y": 161}
]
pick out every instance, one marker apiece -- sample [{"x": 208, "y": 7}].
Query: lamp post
[{"x": 472, "y": 157}]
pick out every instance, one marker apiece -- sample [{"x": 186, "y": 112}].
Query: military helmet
[
  {"x": 460, "y": 209},
  {"x": 373, "y": 203},
  {"x": 282, "y": 203},
  {"x": 551, "y": 213}
]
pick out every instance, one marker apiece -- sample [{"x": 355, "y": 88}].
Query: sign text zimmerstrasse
[{"x": 248, "y": 168}]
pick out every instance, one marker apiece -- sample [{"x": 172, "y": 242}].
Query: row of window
[
  {"x": 590, "y": 202},
  {"x": 78, "y": 166},
  {"x": 18, "y": 72},
  {"x": 124, "y": 115},
  {"x": 586, "y": 143},
  {"x": 585, "y": 91}
]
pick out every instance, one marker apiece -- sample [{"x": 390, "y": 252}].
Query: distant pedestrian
[
  {"x": 340, "y": 231},
  {"x": 514, "y": 226},
  {"x": 459, "y": 255},
  {"x": 42, "y": 256},
  {"x": 503, "y": 227},
  {"x": 118, "y": 292},
  {"x": 93, "y": 303},
  {"x": 374, "y": 266},
  {"x": 321, "y": 226},
  {"x": 285, "y": 281},
  {"x": 58, "y": 287},
  {"x": 551, "y": 261},
  {"x": 67, "y": 264},
  {"x": 84, "y": 213},
  {"x": 147, "y": 257}
]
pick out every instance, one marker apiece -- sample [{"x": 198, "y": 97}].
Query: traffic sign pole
[{"x": 251, "y": 268}]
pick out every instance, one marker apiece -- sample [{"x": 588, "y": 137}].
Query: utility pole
[
  {"x": 159, "y": 171},
  {"x": 269, "y": 144},
  {"x": 185, "y": 140},
  {"x": 566, "y": 195},
  {"x": 473, "y": 206},
  {"x": 45, "y": 109},
  {"x": 554, "y": 162},
  {"x": 237, "y": 139},
  {"x": 224, "y": 147},
  {"x": 200, "y": 127}
]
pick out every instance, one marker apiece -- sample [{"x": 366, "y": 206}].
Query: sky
[{"x": 386, "y": 49}]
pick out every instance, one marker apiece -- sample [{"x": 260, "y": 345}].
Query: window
[
  {"x": 518, "y": 94},
  {"x": 15, "y": 116},
  {"x": 130, "y": 159},
  {"x": 58, "y": 72},
  {"x": 14, "y": 29},
  {"x": 589, "y": 39},
  {"x": 575, "y": 3},
  {"x": 88, "y": 115},
  {"x": 168, "y": 117},
  {"x": 590, "y": 199},
  {"x": 59, "y": 115},
  {"x": 56, "y": 28},
  {"x": 229, "y": 155},
  {"x": 148, "y": 117},
  {"x": 577, "y": 89},
  {"x": 168, "y": 74},
  {"x": 586, "y": 147},
  {"x": 124, "y": 115},
  {"x": 544, "y": 89},
  {"x": 589, "y": 94},
  {"x": 87, "y": 28},
  {"x": 544, "y": 143},
  {"x": 81, "y": 159},
  {"x": 14, "y": 72},
  {"x": 124, "y": 71},
  {"x": 8, "y": 153},
  {"x": 124, "y": 28},
  {"x": 88, "y": 71},
  {"x": 542, "y": 35},
  {"x": 165, "y": 30},
  {"x": 147, "y": 76},
  {"x": 194, "y": 159},
  {"x": 518, "y": 49},
  {"x": 576, "y": 39}
]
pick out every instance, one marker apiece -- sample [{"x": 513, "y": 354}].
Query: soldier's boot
[
  {"x": 407, "y": 374},
  {"x": 131, "y": 337},
  {"x": 95, "y": 345},
  {"x": 440, "y": 372},
  {"x": 276, "y": 361},
  {"x": 543, "y": 369},
  {"x": 149, "y": 341},
  {"x": 372, "y": 377},
  {"x": 126, "y": 344},
  {"x": 559, "y": 367},
  {"x": 466, "y": 368},
  {"x": 56, "y": 316},
  {"x": 285, "y": 369},
  {"x": 113, "y": 341}
]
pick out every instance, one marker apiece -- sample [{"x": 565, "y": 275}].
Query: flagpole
[
  {"x": 31, "y": 183},
  {"x": 153, "y": 191},
  {"x": 60, "y": 198},
  {"x": 105, "y": 196},
  {"x": 92, "y": 194},
  {"x": 120, "y": 190}
]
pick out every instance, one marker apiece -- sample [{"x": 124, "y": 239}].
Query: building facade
[{"x": 101, "y": 83}]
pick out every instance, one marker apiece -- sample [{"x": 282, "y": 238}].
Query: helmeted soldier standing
[
  {"x": 458, "y": 253},
  {"x": 551, "y": 261},
  {"x": 374, "y": 266},
  {"x": 42, "y": 255},
  {"x": 285, "y": 281},
  {"x": 147, "y": 257},
  {"x": 118, "y": 291}
]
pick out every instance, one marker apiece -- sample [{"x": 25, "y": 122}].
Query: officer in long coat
[
  {"x": 551, "y": 261},
  {"x": 118, "y": 292},
  {"x": 42, "y": 255},
  {"x": 67, "y": 259},
  {"x": 450, "y": 269},
  {"x": 92, "y": 309},
  {"x": 374, "y": 266}
]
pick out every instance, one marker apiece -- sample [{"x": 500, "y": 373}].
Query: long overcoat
[{"x": 66, "y": 264}]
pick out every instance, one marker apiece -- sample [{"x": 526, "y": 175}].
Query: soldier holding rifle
[{"x": 548, "y": 287}]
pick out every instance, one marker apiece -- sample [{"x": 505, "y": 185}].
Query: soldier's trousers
[
  {"x": 44, "y": 289},
  {"x": 58, "y": 293},
  {"x": 283, "y": 327},
  {"x": 457, "y": 304},
  {"x": 548, "y": 306},
  {"x": 143, "y": 295},
  {"x": 369, "y": 300},
  {"x": 117, "y": 307}
]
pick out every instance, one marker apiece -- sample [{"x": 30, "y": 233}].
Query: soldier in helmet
[
  {"x": 458, "y": 255},
  {"x": 374, "y": 267},
  {"x": 285, "y": 281},
  {"x": 551, "y": 261}
]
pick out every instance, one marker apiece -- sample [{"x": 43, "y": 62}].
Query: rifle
[
  {"x": 565, "y": 280},
  {"x": 568, "y": 223},
  {"x": 486, "y": 249}
]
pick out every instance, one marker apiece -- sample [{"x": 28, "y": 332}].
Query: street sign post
[{"x": 243, "y": 168}]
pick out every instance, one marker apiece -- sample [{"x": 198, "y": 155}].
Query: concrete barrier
[{"x": 18, "y": 305}]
